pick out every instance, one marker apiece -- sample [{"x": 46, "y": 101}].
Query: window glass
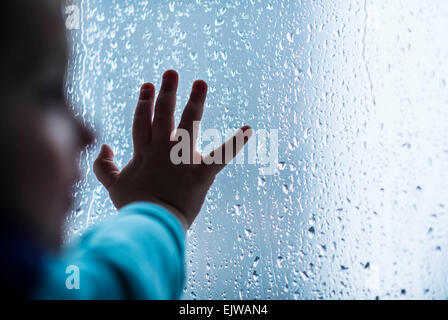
[{"x": 355, "y": 205}]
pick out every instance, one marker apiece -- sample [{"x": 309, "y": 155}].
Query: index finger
[{"x": 141, "y": 127}]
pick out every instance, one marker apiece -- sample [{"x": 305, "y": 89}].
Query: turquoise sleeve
[{"x": 138, "y": 254}]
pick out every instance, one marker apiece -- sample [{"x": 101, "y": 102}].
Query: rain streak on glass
[{"x": 357, "y": 204}]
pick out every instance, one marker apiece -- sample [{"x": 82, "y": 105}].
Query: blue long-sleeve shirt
[{"x": 138, "y": 254}]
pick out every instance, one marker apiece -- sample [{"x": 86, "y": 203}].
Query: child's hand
[{"x": 151, "y": 175}]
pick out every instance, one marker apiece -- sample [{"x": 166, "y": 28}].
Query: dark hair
[{"x": 27, "y": 30}]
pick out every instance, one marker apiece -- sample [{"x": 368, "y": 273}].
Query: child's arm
[{"x": 140, "y": 253}]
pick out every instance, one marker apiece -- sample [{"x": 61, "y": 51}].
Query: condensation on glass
[{"x": 357, "y": 204}]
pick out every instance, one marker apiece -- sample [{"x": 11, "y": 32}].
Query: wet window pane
[{"x": 356, "y": 204}]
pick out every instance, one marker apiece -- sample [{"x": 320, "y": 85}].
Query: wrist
[
  {"x": 180, "y": 217},
  {"x": 173, "y": 210}
]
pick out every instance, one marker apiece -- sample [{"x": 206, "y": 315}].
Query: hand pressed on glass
[{"x": 151, "y": 175}]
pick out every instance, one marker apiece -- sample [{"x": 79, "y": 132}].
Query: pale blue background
[{"x": 357, "y": 90}]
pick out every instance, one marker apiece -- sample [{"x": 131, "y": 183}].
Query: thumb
[{"x": 105, "y": 169}]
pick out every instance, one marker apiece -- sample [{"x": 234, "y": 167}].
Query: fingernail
[
  {"x": 146, "y": 91},
  {"x": 169, "y": 80},
  {"x": 200, "y": 85},
  {"x": 145, "y": 94},
  {"x": 198, "y": 91},
  {"x": 248, "y": 132}
]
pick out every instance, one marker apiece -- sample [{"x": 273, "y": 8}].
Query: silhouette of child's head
[{"x": 40, "y": 138}]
